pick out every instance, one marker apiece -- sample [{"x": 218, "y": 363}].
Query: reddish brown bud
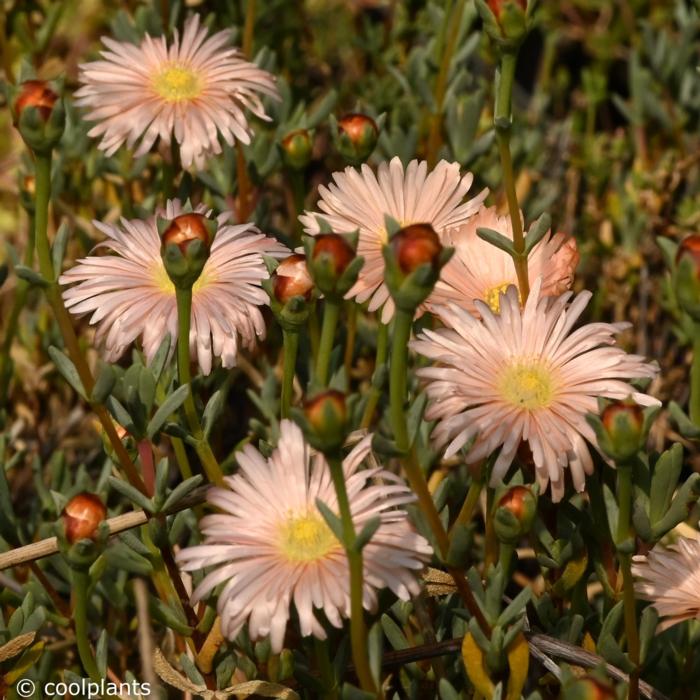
[
  {"x": 617, "y": 410},
  {"x": 82, "y": 516},
  {"x": 497, "y": 5},
  {"x": 690, "y": 247},
  {"x": 186, "y": 228},
  {"x": 589, "y": 688},
  {"x": 357, "y": 136},
  {"x": 338, "y": 250},
  {"x": 29, "y": 183},
  {"x": 36, "y": 93},
  {"x": 326, "y": 413},
  {"x": 416, "y": 245},
  {"x": 291, "y": 279},
  {"x": 517, "y": 501},
  {"x": 296, "y": 149}
]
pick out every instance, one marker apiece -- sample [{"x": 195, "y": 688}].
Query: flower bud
[
  {"x": 82, "y": 517},
  {"x": 414, "y": 257},
  {"x": 416, "y": 245},
  {"x": 505, "y": 21},
  {"x": 332, "y": 264},
  {"x": 39, "y": 115},
  {"x": 497, "y": 5},
  {"x": 334, "y": 249},
  {"x": 186, "y": 242},
  {"x": 326, "y": 418},
  {"x": 687, "y": 276},
  {"x": 514, "y": 514},
  {"x": 623, "y": 423},
  {"x": 588, "y": 688},
  {"x": 185, "y": 229},
  {"x": 292, "y": 279},
  {"x": 357, "y": 137},
  {"x": 296, "y": 149},
  {"x": 38, "y": 94}
]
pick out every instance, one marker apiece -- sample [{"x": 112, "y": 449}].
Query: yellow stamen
[
  {"x": 492, "y": 296},
  {"x": 528, "y": 386},
  {"x": 175, "y": 83},
  {"x": 306, "y": 538}
]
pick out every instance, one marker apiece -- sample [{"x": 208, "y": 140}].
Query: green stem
[
  {"x": 325, "y": 668},
  {"x": 624, "y": 532},
  {"x": 695, "y": 379},
  {"x": 12, "y": 322},
  {"x": 379, "y": 361},
  {"x": 81, "y": 586},
  {"x": 248, "y": 28},
  {"x": 70, "y": 340},
  {"x": 503, "y": 122},
  {"x": 467, "y": 510},
  {"x": 358, "y": 630},
  {"x": 331, "y": 313},
  {"x": 290, "y": 347},
  {"x": 403, "y": 321},
  {"x": 204, "y": 452},
  {"x": 453, "y": 22},
  {"x": 350, "y": 333}
]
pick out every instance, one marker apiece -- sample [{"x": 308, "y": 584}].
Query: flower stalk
[
  {"x": 694, "y": 402},
  {"x": 204, "y": 452},
  {"x": 358, "y": 629},
  {"x": 624, "y": 532},
  {"x": 290, "y": 344},
  {"x": 331, "y": 314},
  {"x": 379, "y": 362},
  {"x": 505, "y": 78},
  {"x": 403, "y": 322},
  {"x": 53, "y": 294}
]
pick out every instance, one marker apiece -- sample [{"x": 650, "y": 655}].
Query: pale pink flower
[
  {"x": 480, "y": 270},
  {"x": 669, "y": 577},
  {"x": 523, "y": 375},
  {"x": 360, "y": 200},
  {"x": 271, "y": 545},
  {"x": 129, "y": 294},
  {"x": 196, "y": 90}
]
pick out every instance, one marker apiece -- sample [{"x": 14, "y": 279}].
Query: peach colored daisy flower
[
  {"x": 196, "y": 90},
  {"x": 129, "y": 294},
  {"x": 271, "y": 546},
  {"x": 669, "y": 577},
  {"x": 360, "y": 200},
  {"x": 523, "y": 375},
  {"x": 479, "y": 270}
]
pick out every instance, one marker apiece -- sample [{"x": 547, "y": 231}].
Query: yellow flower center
[
  {"x": 528, "y": 386},
  {"x": 306, "y": 538},
  {"x": 164, "y": 283},
  {"x": 175, "y": 83}
]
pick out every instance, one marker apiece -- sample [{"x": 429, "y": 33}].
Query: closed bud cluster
[
  {"x": 515, "y": 514},
  {"x": 414, "y": 257},
  {"x": 296, "y": 149},
  {"x": 356, "y": 137},
  {"x": 185, "y": 244},
  {"x": 39, "y": 115},
  {"x": 687, "y": 276},
  {"x": 82, "y": 517}
]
